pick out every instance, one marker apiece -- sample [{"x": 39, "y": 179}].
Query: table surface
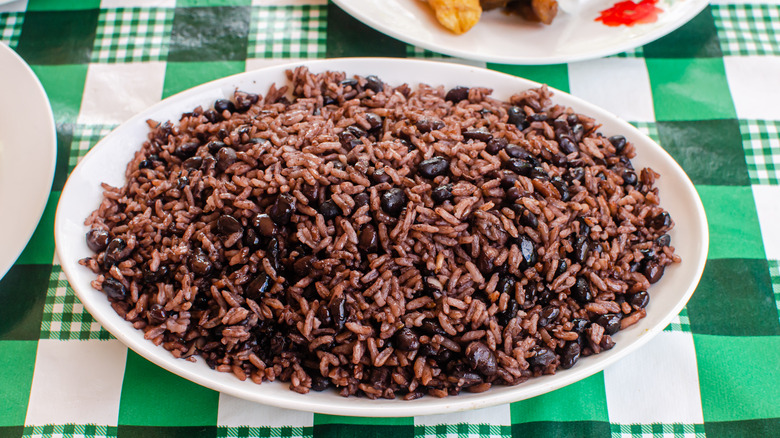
[{"x": 708, "y": 93}]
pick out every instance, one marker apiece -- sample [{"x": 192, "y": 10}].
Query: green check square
[
  {"x": 761, "y": 144},
  {"x": 180, "y": 76},
  {"x": 209, "y": 34},
  {"x": 150, "y": 394},
  {"x": 710, "y": 151},
  {"x": 584, "y": 400},
  {"x": 124, "y": 431},
  {"x": 56, "y": 5},
  {"x": 11, "y": 27},
  {"x": 733, "y": 222},
  {"x": 22, "y": 297},
  {"x": 743, "y": 429},
  {"x": 40, "y": 248},
  {"x": 362, "y": 427},
  {"x": 568, "y": 429},
  {"x": 347, "y": 36},
  {"x": 64, "y": 85},
  {"x": 738, "y": 377},
  {"x": 291, "y": 31},
  {"x": 690, "y": 89},
  {"x": 555, "y": 75},
  {"x": 697, "y": 38},
  {"x": 57, "y": 37},
  {"x": 11, "y": 431},
  {"x": 17, "y": 362}
]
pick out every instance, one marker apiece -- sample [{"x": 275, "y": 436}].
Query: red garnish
[{"x": 629, "y": 13}]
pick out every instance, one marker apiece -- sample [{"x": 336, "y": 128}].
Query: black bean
[
  {"x": 579, "y": 325},
  {"x": 519, "y": 166},
  {"x": 527, "y": 219},
  {"x": 548, "y": 315},
  {"x": 200, "y": 263},
  {"x": 510, "y": 312},
  {"x": 349, "y": 140},
  {"x": 406, "y": 340},
  {"x": 227, "y": 224},
  {"x": 485, "y": 264},
  {"x": 368, "y": 239},
  {"x": 580, "y": 291},
  {"x": 639, "y": 299},
  {"x": 393, "y": 201},
  {"x": 661, "y": 221},
  {"x": 116, "y": 250},
  {"x": 329, "y": 209},
  {"x": 562, "y": 267},
  {"x": 567, "y": 146},
  {"x": 515, "y": 151},
  {"x": 351, "y": 82},
  {"x": 97, "y": 239},
  {"x": 457, "y": 94},
  {"x": 570, "y": 355},
  {"x": 151, "y": 277},
  {"x": 572, "y": 119},
  {"x": 527, "y": 250},
  {"x": 653, "y": 272},
  {"x": 251, "y": 239},
  {"x": 215, "y": 146},
  {"x": 578, "y": 131},
  {"x": 380, "y": 176},
  {"x": 442, "y": 193},
  {"x": 361, "y": 199},
  {"x": 146, "y": 164},
  {"x": 542, "y": 358},
  {"x": 629, "y": 178},
  {"x": 212, "y": 116},
  {"x": 327, "y": 100},
  {"x": 156, "y": 314},
  {"x": 374, "y": 84},
  {"x": 562, "y": 187},
  {"x": 282, "y": 210},
  {"x": 303, "y": 266},
  {"x": 431, "y": 328},
  {"x": 338, "y": 311},
  {"x": 576, "y": 174},
  {"x": 272, "y": 252},
  {"x": 619, "y": 142},
  {"x": 581, "y": 249},
  {"x": 186, "y": 150},
  {"x": 225, "y": 158},
  {"x": 257, "y": 288},
  {"x": 664, "y": 240},
  {"x": 508, "y": 178},
  {"x": 319, "y": 383},
  {"x": 192, "y": 163},
  {"x": 561, "y": 125},
  {"x": 222, "y": 105},
  {"x": 517, "y": 117},
  {"x": 427, "y": 124},
  {"x": 182, "y": 182},
  {"x": 114, "y": 289},
  {"x": 610, "y": 322},
  {"x": 244, "y": 101},
  {"x": 538, "y": 117},
  {"x": 606, "y": 342},
  {"x": 264, "y": 224},
  {"x": 513, "y": 194},
  {"x": 433, "y": 167},
  {"x": 479, "y": 357},
  {"x": 480, "y": 134},
  {"x": 374, "y": 120},
  {"x": 495, "y": 145}
]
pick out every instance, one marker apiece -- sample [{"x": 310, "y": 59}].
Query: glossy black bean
[
  {"x": 251, "y": 239},
  {"x": 393, "y": 201},
  {"x": 495, "y": 145},
  {"x": 606, "y": 342},
  {"x": 481, "y": 134},
  {"x": 327, "y": 100},
  {"x": 338, "y": 311},
  {"x": 368, "y": 239},
  {"x": 629, "y": 178},
  {"x": 192, "y": 163},
  {"x": 527, "y": 251},
  {"x": 610, "y": 322},
  {"x": 361, "y": 199},
  {"x": 653, "y": 272},
  {"x": 570, "y": 355},
  {"x": 272, "y": 252},
  {"x": 329, "y": 209},
  {"x": 442, "y": 193},
  {"x": 151, "y": 277},
  {"x": 319, "y": 383},
  {"x": 562, "y": 267},
  {"x": 619, "y": 142},
  {"x": 427, "y": 124},
  {"x": 431, "y": 328},
  {"x": 257, "y": 288},
  {"x": 244, "y": 101},
  {"x": 114, "y": 289},
  {"x": 226, "y": 157},
  {"x": 661, "y": 221},
  {"x": 578, "y": 131},
  {"x": 664, "y": 240},
  {"x": 480, "y": 358},
  {"x": 581, "y": 249},
  {"x": 264, "y": 225},
  {"x": 579, "y": 325},
  {"x": 97, "y": 239},
  {"x": 639, "y": 299},
  {"x": 572, "y": 119},
  {"x": 513, "y": 194},
  {"x": 282, "y": 210},
  {"x": 186, "y": 150},
  {"x": 508, "y": 178},
  {"x": 580, "y": 291},
  {"x": 116, "y": 250},
  {"x": 527, "y": 219},
  {"x": 215, "y": 146},
  {"x": 146, "y": 164},
  {"x": 350, "y": 82},
  {"x": 212, "y": 116},
  {"x": 542, "y": 358},
  {"x": 567, "y": 146},
  {"x": 576, "y": 174},
  {"x": 538, "y": 117},
  {"x": 182, "y": 182},
  {"x": 227, "y": 224},
  {"x": 517, "y": 117},
  {"x": 562, "y": 187},
  {"x": 156, "y": 314},
  {"x": 222, "y": 105},
  {"x": 433, "y": 167},
  {"x": 515, "y": 151},
  {"x": 485, "y": 264},
  {"x": 374, "y": 120},
  {"x": 548, "y": 316},
  {"x": 519, "y": 166},
  {"x": 200, "y": 262},
  {"x": 457, "y": 94},
  {"x": 380, "y": 176},
  {"x": 304, "y": 265},
  {"x": 374, "y": 84},
  {"x": 406, "y": 340}
]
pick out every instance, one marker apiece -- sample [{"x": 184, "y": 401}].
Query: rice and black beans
[{"x": 385, "y": 241}]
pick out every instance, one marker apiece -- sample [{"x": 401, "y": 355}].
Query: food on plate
[
  {"x": 461, "y": 15},
  {"x": 381, "y": 239}
]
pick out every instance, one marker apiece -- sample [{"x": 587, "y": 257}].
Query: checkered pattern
[
  {"x": 85, "y": 137},
  {"x": 70, "y": 431},
  {"x": 748, "y": 29},
  {"x": 288, "y": 32},
  {"x": 463, "y": 431},
  {"x": 133, "y": 35},
  {"x": 761, "y": 140},
  {"x": 264, "y": 432},
  {"x": 11, "y": 27},
  {"x": 700, "y": 92},
  {"x": 64, "y": 317},
  {"x": 658, "y": 431}
]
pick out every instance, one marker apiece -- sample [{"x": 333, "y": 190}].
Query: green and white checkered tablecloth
[{"x": 709, "y": 93}]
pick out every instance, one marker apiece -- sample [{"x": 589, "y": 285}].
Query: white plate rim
[
  {"x": 356, "y": 8},
  {"x": 278, "y": 394},
  {"x": 38, "y": 160}
]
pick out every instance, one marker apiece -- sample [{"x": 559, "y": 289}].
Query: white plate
[
  {"x": 107, "y": 162},
  {"x": 28, "y": 151},
  {"x": 508, "y": 39}
]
